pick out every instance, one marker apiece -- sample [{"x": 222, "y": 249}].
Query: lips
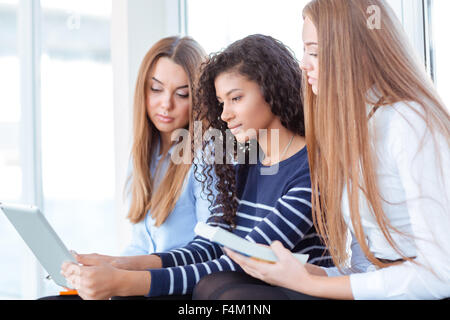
[
  {"x": 235, "y": 129},
  {"x": 164, "y": 119},
  {"x": 311, "y": 80}
]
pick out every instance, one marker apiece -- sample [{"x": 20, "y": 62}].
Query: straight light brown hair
[
  {"x": 353, "y": 59},
  {"x": 187, "y": 53}
]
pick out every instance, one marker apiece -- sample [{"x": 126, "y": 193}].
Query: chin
[
  {"x": 243, "y": 138},
  {"x": 165, "y": 128}
]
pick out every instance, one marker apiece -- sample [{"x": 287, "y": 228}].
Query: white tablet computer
[{"x": 40, "y": 237}]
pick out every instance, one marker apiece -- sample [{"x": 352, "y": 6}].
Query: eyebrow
[
  {"x": 311, "y": 44},
  {"x": 230, "y": 92},
  {"x": 181, "y": 87}
]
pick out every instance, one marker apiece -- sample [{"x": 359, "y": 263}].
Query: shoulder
[
  {"x": 400, "y": 125},
  {"x": 297, "y": 173},
  {"x": 403, "y": 117},
  {"x": 404, "y": 131}
]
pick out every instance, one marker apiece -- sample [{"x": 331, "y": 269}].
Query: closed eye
[{"x": 184, "y": 96}]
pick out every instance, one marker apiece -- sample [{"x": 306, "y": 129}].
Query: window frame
[
  {"x": 29, "y": 26},
  {"x": 429, "y": 38}
]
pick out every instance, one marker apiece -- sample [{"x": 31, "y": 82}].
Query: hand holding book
[{"x": 238, "y": 244}]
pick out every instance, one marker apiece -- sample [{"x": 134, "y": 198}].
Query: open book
[{"x": 238, "y": 244}]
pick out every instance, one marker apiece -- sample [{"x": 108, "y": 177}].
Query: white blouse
[{"x": 414, "y": 181}]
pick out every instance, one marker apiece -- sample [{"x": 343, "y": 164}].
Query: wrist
[
  {"x": 328, "y": 287},
  {"x": 138, "y": 262},
  {"x": 306, "y": 284},
  {"x": 315, "y": 270},
  {"x": 133, "y": 283},
  {"x": 123, "y": 263}
]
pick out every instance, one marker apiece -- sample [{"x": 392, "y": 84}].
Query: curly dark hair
[{"x": 274, "y": 68}]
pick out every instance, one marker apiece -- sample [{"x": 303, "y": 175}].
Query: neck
[
  {"x": 278, "y": 144},
  {"x": 166, "y": 142}
]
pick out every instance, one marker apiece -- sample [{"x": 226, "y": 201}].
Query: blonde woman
[
  {"x": 166, "y": 199},
  {"x": 165, "y": 203},
  {"x": 378, "y": 143}
]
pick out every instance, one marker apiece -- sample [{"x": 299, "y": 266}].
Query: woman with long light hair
[
  {"x": 378, "y": 142},
  {"x": 166, "y": 200}
]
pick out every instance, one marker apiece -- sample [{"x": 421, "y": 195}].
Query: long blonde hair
[
  {"x": 353, "y": 59},
  {"x": 187, "y": 53}
]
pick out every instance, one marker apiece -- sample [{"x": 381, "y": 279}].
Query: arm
[
  {"x": 358, "y": 263},
  {"x": 287, "y": 222},
  {"x": 135, "y": 256},
  {"x": 308, "y": 279},
  {"x": 181, "y": 277},
  {"x": 289, "y": 273},
  {"x": 144, "y": 262}
]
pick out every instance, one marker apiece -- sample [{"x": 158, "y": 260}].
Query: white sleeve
[
  {"x": 358, "y": 263},
  {"x": 426, "y": 185}
]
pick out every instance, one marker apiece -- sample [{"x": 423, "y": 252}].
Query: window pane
[
  {"x": 440, "y": 26},
  {"x": 77, "y": 124},
  {"x": 10, "y": 170},
  {"x": 232, "y": 20}
]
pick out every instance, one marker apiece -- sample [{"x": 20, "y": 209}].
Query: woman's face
[
  {"x": 168, "y": 100},
  {"x": 244, "y": 108},
  {"x": 310, "y": 61}
]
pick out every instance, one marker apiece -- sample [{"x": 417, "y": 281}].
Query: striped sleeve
[
  {"x": 182, "y": 280},
  {"x": 288, "y": 221},
  {"x": 182, "y": 268},
  {"x": 198, "y": 250}
]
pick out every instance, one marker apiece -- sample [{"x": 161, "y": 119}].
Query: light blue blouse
[{"x": 178, "y": 229}]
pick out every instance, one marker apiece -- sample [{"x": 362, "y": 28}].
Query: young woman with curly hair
[
  {"x": 253, "y": 90},
  {"x": 250, "y": 92}
]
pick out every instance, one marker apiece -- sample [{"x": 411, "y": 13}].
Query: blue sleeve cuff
[
  {"x": 159, "y": 282},
  {"x": 167, "y": 259}
]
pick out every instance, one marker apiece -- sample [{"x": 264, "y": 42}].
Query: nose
[
  {"x": 166, "y": 102},
  {"x": 227, "y": 113},
  {"x": 304, "y": 65}
]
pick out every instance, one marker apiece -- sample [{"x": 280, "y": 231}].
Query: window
[
  {"x": 74, "y": 112},
  {"x": 10, "y": 168},
  {"x": 440, "y": 47},
  {"x": 231, "y": 20},
  {"x": 228, "y": 21}
]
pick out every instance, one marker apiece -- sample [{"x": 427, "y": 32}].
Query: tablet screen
[{"x": 40, "y": 237}]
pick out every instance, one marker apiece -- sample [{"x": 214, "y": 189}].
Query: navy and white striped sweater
[{"x": 271, "y": 207}]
